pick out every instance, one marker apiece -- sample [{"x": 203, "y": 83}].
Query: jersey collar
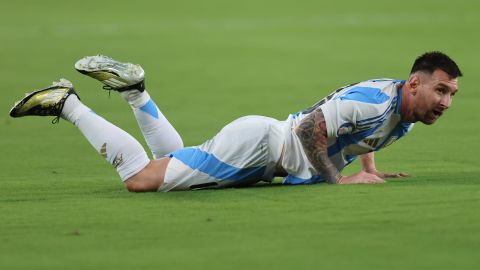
[{"x": 398, "y": 107}]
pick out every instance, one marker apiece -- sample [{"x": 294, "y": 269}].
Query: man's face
[{"x": 433, "y": 95}]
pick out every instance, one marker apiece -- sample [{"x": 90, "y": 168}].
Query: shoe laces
[
  {"x": 56, "y": 110},
  {"x": 58, "y": 107},
  {"x": 56, "y": 120},
  {"x": 140, "y": 86},
  {"x": 109, "y": 89}
]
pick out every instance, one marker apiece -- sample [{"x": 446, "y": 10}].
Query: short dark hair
[{"x": 431, "y": 61}]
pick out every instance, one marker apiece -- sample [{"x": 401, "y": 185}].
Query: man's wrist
[{"x": 369, "y": 169}]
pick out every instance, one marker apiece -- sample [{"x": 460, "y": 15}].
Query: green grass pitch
[{"x": 208, "y": 62}]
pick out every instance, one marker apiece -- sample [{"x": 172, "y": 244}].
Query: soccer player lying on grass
[{"x": 311, "y": 146}]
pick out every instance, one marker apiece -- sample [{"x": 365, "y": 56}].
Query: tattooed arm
[{"x": 312, "y": 132}]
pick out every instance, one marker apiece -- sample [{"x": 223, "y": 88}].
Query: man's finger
[
  {"x": 400, "y": 177},
  {"x": 392, "y": 175},
  {"x": 395, "y": 175}
]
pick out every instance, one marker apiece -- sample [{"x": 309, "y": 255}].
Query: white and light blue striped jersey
[{"x": 360, "y": 118}]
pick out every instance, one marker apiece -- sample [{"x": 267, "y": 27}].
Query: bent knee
[
  {"x": 139, "y": 186},
  {"x": 149, "y": 178}
]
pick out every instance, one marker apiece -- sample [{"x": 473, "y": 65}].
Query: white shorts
[{"x": 244, "y": 152}]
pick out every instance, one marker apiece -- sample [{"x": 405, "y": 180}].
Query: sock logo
[
  {"x": 103, "y": 150},
  {"x": 118, "y": 160}
]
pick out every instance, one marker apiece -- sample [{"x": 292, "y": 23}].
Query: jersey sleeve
[
  {"x": 340, "y": 117},
  {"x": 357, "y": 107}
]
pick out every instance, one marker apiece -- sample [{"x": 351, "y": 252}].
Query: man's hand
[
  {"x": 387, "y": 174},
  {"x": 368, "y": 165},
  {"x": 362, "y": 177}
]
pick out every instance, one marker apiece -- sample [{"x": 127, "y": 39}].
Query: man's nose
[{"x": 446, "y": 101}]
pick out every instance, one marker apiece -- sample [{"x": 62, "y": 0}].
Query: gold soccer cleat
[
  {"x": 45, "y": 102},
  {"x": 115, "y": 75}
]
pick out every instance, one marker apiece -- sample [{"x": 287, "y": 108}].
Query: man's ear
[{"x": 414, "y": 82}]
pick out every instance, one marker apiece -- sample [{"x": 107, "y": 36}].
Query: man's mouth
[{"x": 437, "y": 113}]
